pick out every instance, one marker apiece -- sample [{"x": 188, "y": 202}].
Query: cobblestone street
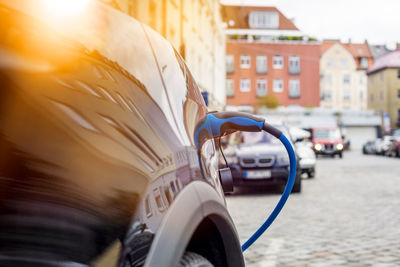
[{"x": 348, "y": 215}]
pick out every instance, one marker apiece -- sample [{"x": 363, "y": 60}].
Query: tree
[{"x": 270, "y": 101}]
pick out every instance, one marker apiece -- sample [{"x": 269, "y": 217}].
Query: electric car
[
  {"x": 97, "y": 160},
  {"x": 257, "y": 159}
]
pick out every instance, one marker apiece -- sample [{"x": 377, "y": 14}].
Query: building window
[
  {"x": 294, "y": 88},
  {"x": 346, "y": 79},
  {"x": 244, "y": 61},
  {"x": 361, "y": 95},
  {"x": 278, "y": 86},
  {"x": 330, "y": 62},
  {"x": 328, "y": 79},
  {"x": 229, "y": 60},
  {"x": 364, "y": 62},
  {"x": 264, "y": 19},
  {"x": 261, "y": 64},
  {"x": 398, "y": 93},
  {"x": 346, "y": 94},
  {"x": 381, "y": 76},
  {"x": 381, "y": 95},
  {"x": 371, "y": 79},
  {"x": 294, "y": 65},
  {"x": 398, "y": 74},
  {"x": 278, "y": 62},
  {"x": 245, "y": 85},
  {"x": 343, "y": 63},
  {"x": 326, "y": 95},
  {"x": 230, "y": 90},
  {"x": 261, "y": 87},
  {"x": 362, "y": 79},
  {"x": 371, "y": 98},
  {"x": 398, "y": 115}
]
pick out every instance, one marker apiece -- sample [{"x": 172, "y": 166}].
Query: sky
[{"x": 377, "y": 21}]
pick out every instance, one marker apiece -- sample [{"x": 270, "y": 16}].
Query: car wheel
[
  {"x": 297, "y": 184},
  {"x": 341, "y": 155},
  {"x": 311, "y": 174},
  {"x": 296, "y": 187},
  {"x": 191, "y": 259}
]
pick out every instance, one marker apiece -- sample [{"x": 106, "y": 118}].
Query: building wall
[
  {"x": 383, "y": 93},
  {"x": 333, "y": 72},
  {"x": 194, "y": 27},
  {"x": 309, "y": 54}
]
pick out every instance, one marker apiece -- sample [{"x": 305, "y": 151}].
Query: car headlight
[
  {"x": 339, "y": 146},
  {"x": 282, "y": 159},
  {"x": 318, "y": 147}
]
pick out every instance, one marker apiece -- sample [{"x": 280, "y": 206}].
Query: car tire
[
  {"x": 296, "y": 187},
  {"x": 190, "y": 259},
  {"x": 341, "y": 155},
  {"x": 311, "y": 174},
  {"x": 297, "y": 184}
]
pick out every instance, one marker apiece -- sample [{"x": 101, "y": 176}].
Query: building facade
[
  {"x": 267, "y": 55},
  {"x": 384, "y": 88},
  {"x": 195, "y": 28},
  {"x": 289, "y": 71},
  {"x": 343, "y": 75}
]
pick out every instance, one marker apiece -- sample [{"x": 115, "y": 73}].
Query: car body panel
[{"x": 93, "y": 133}]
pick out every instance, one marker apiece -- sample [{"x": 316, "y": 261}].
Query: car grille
[
  {"x": 262, "y": 161},
  {"x": 329, "y": 147}
]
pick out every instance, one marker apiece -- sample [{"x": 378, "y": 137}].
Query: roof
[
  {"x": 378, "y": 50},
  {"x": 357, "y": 50},
  {"x": 389, "y": 60},
  {"x": 240, "y": 16}
]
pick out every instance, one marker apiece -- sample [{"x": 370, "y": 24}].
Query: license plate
[{"x": 257, "y": 174}]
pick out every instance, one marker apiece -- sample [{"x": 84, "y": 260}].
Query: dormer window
[{"x": 264, "y": 19}]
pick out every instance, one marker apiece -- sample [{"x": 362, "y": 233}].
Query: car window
[{"x": 327, "y": 133}]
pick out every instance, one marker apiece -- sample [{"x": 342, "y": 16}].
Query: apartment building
[
  {"x": 343, "y": 69},
  {"x": 384, "y": 88},
  {"x": 267, "y": 55}
]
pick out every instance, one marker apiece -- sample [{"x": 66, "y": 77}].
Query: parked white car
[{"x": 307, "y": 158}]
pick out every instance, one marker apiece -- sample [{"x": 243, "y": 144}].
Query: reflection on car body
[{"x": 96, "y": 143}]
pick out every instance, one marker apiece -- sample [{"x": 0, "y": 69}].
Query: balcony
[
  {"x": 294, "y": 70},
  {"x": 230, "y": 69},
  {"x": 261, "y": 70}
]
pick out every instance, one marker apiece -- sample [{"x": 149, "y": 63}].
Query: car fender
[{"x": 197, "y": 201}]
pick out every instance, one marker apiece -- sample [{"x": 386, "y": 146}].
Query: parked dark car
[
  {"x": 97, "y": 160},
  {"x": 258, "y": 159}
]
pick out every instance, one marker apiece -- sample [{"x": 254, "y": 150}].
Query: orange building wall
[{"x": 309, "y": 72}]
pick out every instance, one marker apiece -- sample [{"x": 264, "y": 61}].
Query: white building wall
[{"x": 331, "y": 66}]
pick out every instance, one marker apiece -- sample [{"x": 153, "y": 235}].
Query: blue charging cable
[
  {"x": 218, "y": 124},
  {"x": 284, "y": 197}
]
